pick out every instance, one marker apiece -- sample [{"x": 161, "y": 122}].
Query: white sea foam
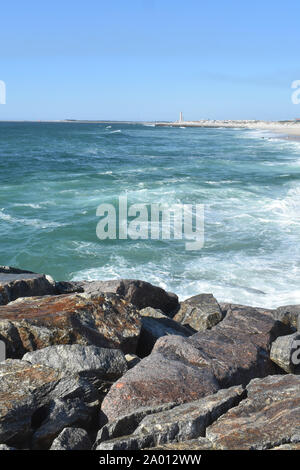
[
  {"x": 32, "y": 206},
  {"x": 37, "y": 223}
]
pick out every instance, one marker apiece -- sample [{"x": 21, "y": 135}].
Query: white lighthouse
[{"x": 180, "y": 117}]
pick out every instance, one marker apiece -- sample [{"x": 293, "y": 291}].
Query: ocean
[{"x": 53, "y": 176}]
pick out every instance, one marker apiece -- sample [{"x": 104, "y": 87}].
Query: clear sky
[{"x": 149, "y": 59}]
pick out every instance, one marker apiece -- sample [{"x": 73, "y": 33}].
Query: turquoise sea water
[{"x": 53, "y": 177}]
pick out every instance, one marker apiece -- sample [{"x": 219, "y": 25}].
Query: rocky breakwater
[{"x": 122, "y": 364}]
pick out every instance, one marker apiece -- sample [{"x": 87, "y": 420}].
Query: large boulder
[
  {"x": 181, "y": 423},
  {"x": 269, "y": 417},
  {"x": 72, "y": 439},
  {"x": 15, "y": 283},
  {"x": 288, "y": 314},
  {"x": 155, "y": 325},
  {"x": 29, "y": 394},
  {"x": 105, "y": 321},
  {"x": 97, "y": 364},
  {"x": 186, "y": 369},
  {"x": 140, "y": 293},
  {"x": 155, "y": 380},
  {"x": 200, "y": 312},
  {"x": 127, "y": 424},
  {"x": 285, "y": 352}
]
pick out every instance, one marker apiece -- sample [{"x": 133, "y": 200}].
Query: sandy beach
[{"x": 290, "y": 129}]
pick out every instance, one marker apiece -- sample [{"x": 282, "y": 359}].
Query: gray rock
[
  {"x": 27, "y": 392},
  {"x": 200, "y": 312},
  {"x": 155, "y": 325},
  {"x": 186, "y": 369},
  {"x": 289, "y": 314},
  {"x": 181, "y": 423},
  {"x": 87, "y": 361},
  {"x": 267, "y": 418},
  {"x": 285, "y": 352},
  {"x": 66, "y": 287},
  {"x": 194, "y": 444},
  {"x": 72, "y": 439},
  {"x": 127, "y": 424},
  {"x": 132, "y": 442},
  {"x": 60, "y": 414},
  {"x": 295, "y": 446},
  {"x": 189, "y": 421},
  {"x": 15, "y": 283}
]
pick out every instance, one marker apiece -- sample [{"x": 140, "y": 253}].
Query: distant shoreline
[{"x": 287, "y": 129}]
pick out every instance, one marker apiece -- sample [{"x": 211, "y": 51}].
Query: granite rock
[
  {"x": 72, "y": 439},
  {"x": 156, "y": 324},
  {"x": 15, "y": 283},
  {"x": 186, "y": 369},
  {"x": 200, "y": 312},
  {"x": 268, "y": 418},
  {"x": 105, "y": 321}
]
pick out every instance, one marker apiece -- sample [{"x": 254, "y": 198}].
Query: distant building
[{"x": 180, "y": 117}]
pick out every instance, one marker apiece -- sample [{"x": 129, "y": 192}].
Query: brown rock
[
  {"x": 200, "y": 312},
  {"x": 140, "y": 293},
  {"x": 15, "y": 283},
  {"x": 186, "y": 369},
  {"x": 156, "y": 380},
  {"x": 269, "y": 417},
  {"x": 180, "y": 423},
  {"x": 35, "y": 323}
]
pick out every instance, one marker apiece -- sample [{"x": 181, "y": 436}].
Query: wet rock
[
  {"x": 269, "y": 417},
  {"x": 155, "y": 325},
  {"x": 186, "y": 369},
  {"x": 181, "y": 423},
  {"x": 285, "y": 352},
  {"x": 95, "y": 363},
  {"x": 15, "y": 283},
  {"x": 105, "y": 321},
  {"x": 140, "y": 293},
  {"x": 72, "y": 439},
  {"x": 26, "y": 397},
  {"x": 127, "y": 424},
  {"x": 288, "y": 314},
  {"x": 200, "y": 312}
]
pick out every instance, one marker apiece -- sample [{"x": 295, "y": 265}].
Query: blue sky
[{"x": 149, "y": 59}]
